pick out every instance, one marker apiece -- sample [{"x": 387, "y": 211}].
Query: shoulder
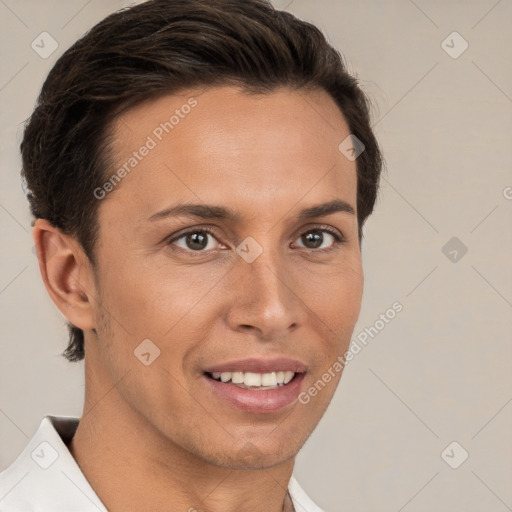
[{"x": 45, "y": 475}]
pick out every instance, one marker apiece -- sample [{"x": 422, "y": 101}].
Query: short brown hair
[{"x": 161, "y": 47}]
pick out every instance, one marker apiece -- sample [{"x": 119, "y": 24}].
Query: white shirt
[{"x": 46, "y": 478}]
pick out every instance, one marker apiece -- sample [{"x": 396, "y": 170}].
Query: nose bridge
[
  {"x": 266, "y": 274},
  {"x": 264, "y": 298}
]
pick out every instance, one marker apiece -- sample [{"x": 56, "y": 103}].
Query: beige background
[{"x": 440, "y": 370}]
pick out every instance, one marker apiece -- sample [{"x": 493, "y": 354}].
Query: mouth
[
  {"x": 257, "y": 385},
  {"x": 255, "y": 381}
]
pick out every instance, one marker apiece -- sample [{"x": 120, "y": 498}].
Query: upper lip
[{"x": 259, "y": 365}]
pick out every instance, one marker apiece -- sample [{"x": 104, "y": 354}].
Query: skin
[{"x": 156, "y": 437}]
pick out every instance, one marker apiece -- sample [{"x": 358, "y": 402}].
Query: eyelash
[{"x": 206, "y": 229}]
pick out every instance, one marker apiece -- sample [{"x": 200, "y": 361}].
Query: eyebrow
[{"x": 205, "y": 211}]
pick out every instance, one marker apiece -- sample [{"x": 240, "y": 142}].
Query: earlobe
[{"x": 65, "y": 273}]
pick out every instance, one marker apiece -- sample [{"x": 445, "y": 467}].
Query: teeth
[
  {"x": 250, "y": 379},
  {"x": 269, "y": 379},
  {"x": 237, "y": 378},
  {"x": 288, "y": 376}
]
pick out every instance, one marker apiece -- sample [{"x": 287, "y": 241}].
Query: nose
[{"x": 264, "y": 299}]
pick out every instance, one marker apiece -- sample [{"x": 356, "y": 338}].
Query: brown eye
[
  {"x": 197, "y": 240},
  {"x": 313, "y": 239},
  {"x": 319, "y": 239}
]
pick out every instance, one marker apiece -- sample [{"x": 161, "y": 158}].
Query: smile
[{"x": 251, "y": 380}]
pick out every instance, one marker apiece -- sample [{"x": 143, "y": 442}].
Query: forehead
[{"x": 223, "y": 145}]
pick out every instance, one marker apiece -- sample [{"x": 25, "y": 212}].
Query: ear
[{"x": 67, "y": 274}]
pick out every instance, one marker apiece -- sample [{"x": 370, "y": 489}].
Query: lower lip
[{"x": 256, "y": 401}]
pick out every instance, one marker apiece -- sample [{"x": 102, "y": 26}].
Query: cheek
[
  {"x": 172, "y": 307},
  {"x": 144, "y": 312},
  {"x": 147, "y": 301},
  {"x": 338, "y": 306},
  {"x": 336, "y": 296}
]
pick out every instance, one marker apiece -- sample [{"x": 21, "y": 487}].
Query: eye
[
  {"x": 196, "y": 240},
  {"x": 201, "y": 240},
  {"x": 315, "y": 238}
]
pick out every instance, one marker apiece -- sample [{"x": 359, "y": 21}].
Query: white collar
[{"x": 46, "y": 478}]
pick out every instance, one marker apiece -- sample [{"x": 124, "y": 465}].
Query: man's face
[{"x": 265, "y": 285}]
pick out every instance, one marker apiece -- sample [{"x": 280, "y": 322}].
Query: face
[{"x": 253, "y": 281}]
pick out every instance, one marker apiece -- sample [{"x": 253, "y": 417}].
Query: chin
[{"x": 256, "y": 455}]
